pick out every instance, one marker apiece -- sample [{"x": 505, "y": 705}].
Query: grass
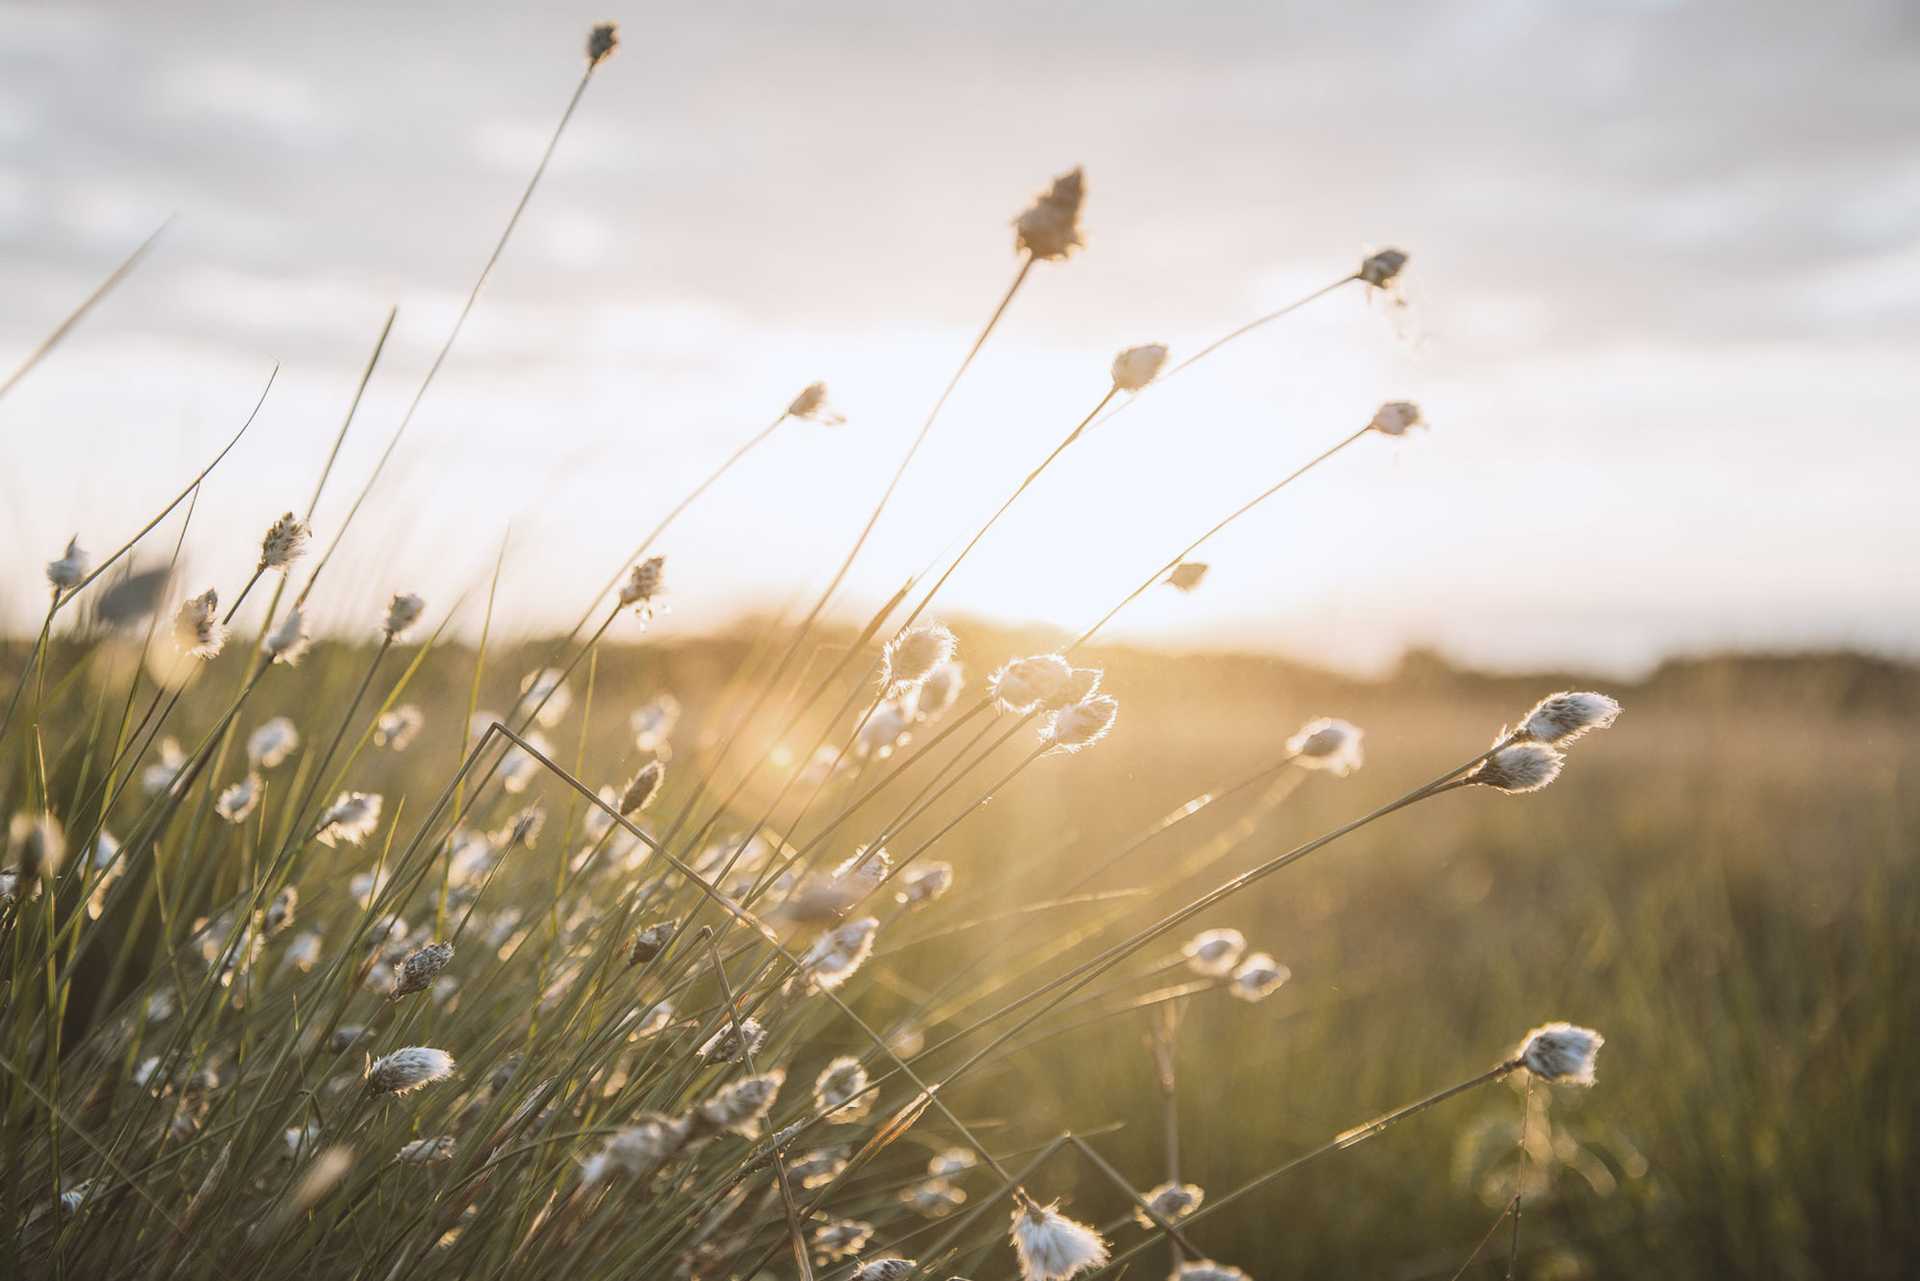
[{"x": 519, "y": 1022}]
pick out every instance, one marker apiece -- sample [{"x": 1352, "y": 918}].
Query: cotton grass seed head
[
  {"x": 1396, "y": 418},
  {"x": 939, "y": 691},
  {"x": 237, "y": 801},
  {"x": 351, "y": 818},
  {"x": 286, "y": 541},
  {"x": 915, "y": 654},
  {"x": 1561, "y": 718},
  {"x": 1028, "y": 683},
  {"x": 1050, "y": 228},
  {"x": 641, "y": 791},
  {"x": 1214, "y": 952},
  {"x": 36, "y": 846},
  {"x": 197, "y": 628},
  {"x": 643, "y": 581},
  {"x": 1523, "y": 767},
  {"x": 933, "y": 1198},
  {"x": 740, "y": 1106},
  {"x": 289, "y": 642},
  {"x": 840, "y": 1091},
  {"x": 426, "y": 1151},
  {"x": 403, "y": 611},
  {"x": 1187, "y": 575},
  {"x": 811, "y": 405},
  {"x": 1207, "y": 1270},
  {"x": 652, "y": 722},
  {"x": 1080, "y": 726},
  {"x": 1052, "y": 1247},
  {"x": 1380, "y": 269},
  {"x": 641, "y": 1148},
  {"x": 272, "y": 743},
  {"x": 839, "y": 953},
  {"x": 952, "y": 1162},
  {"x": 840, "y": 1238},
  {"x": 1561, "y": 1053},
  {"x": 1171, "y": 1201},
  {"x": 67, "y": 573},
  {"x": 650, "y": 942},
  {"x": 420, "y": 968},
  {"x": 396, "y": 729},
  {"x": 731, "y": 1044},
  {"x": 924, "y": 883},
  {"x": 408, "y": 1069},
  {"x": 1135, "y": 367},
  {"x": 601, "y": 42},
  {"x": 885, "y": 1269},
  {"x": 1328, "y": 744},
  {"x": 1258, "y": 977}
]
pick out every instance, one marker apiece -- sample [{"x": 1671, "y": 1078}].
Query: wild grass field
[{"x": 438, "y": 946}]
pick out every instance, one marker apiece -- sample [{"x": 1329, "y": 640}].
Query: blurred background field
[{"x": 1726, "y": 884}]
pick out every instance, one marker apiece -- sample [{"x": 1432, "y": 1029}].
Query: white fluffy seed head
[
  {"x": 1328, "y": 744},
  {"x": 840, "y": 1090},
  {"x": 653, "y": 721},
  {"x": 67, "y": 573},
  {"x": 811, "y": 404},
  {"x": 408, "y": 1069},
  {"x": 1523, "y": 767},
  {"x": 1561, "y": 718},
  {"x": 286, "y": 541},
  {"x": 1561, "y": 1052},
  {"x": 289, "y": 642},
  {"x": 840, "y": 1238},
  {"x": 1027, "y": 683},
  {"x": 916, "y": 654},
  {"x": 1171, "y": 1201},
  {"x": 1082, "y": 724},
  {"x": 730, "y": 1044},
  {"x": 396, "y": 729},
  {"x": 403, "y": 611},
  {"x": 1396, "y": 418},
  {"x": 740, "y": 1106},
  {"x": 545, "y": 688},
  {"x": 643, "y": 581},
  {"x": 1380, "y": 269},
  {"x": 1135, "y": 367},
  {"x": 939, "y": 691},
  {"x": 1050, "y": 227},
  {"x": 641, "y": 791},
  {"x": 641, "y": 1148},
  {"x": 1207, "y": 1270},
  {"x": 1051, "y": 1246},
  {"x": 272, "y": 743},
  {"x": 1214, "y": 952},
  {"x": 924, "y": 883},
  {"x": 886, "y": 1269},
  {"x": 351, "y": 818},
  {"x": 1258, "y": 977},
  {"x": 36, "y": 846},
  {"x": 840, "y": 952},
  {"x": 426, "y": 1151},
  {"x": 420, "y": 968},
  {"x": 952, "y": 1162},
  {"x": 197, "y": 628},
  {"x": 237, "y": 801}
]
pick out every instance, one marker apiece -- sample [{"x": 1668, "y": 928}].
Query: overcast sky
[{"x": 1663, "y": 306}]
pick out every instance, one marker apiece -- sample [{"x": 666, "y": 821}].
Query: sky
[{"x": 1661, "y": 312}]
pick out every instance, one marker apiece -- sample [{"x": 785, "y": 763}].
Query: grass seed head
[
  {"x": 601, "y": 42},
  {"x": 885, "y": 1269},
  {"x": 924, "y": 883},
  {"x": 1258, "y": 977},
  {"x": 1029, "y": 683},
  {"x": 418, "y": 971},
  {"x": 916, "y": 654},
  {"x": 933, "y": 1198},
  {"x": 643, "y": 581},
  {"x": 1562, "y": 1053},
  {"x": 396, "y": 729},
  {"x": 286, "y": 541},
  {"x": 37, "y": 846},
  {"x": 1523, "y": 767},
  {"x": 1081, "y": 725},
  {"x": 351, "y": 818},
  {"x": 739, "y": 1107},
  {"x": 811, "y": 405},
  {"x": 1214, "y": 952},
  {"x": 1171, "y": 1201},
  {"x": 1561, "y": 718},
  {"x": 840, "y": 1091},
  {"x": 197, "y": 628},
  {"x": 403, "y": 611},
  {"x": 1050, "y": 227},
  {"x": 840, "y": 1238},
  {"x": 731, "y": 1044},
  {"x": 1380, "y": 269},
  {"x": 1207, "y": 1270},
  {"x": 1135, "y": 367},
  {"x": 641, "y": 791},
  {"x": 839, "y": 953},
  {"x": 1187, "y": 575},
  {"x": 1328, "y": 744},
  {"x": 1051, "y": 1246},
  {"x": 67, "y": 573},
  {"x": 408, "y": 1069},
  {"x": 272, "y": 743},
  {"x": 650, "y": 942},
  {"x": 289, "y": 642},
  {"x": 426, "y": 1151},
  {"x": 237, "y": 801}
]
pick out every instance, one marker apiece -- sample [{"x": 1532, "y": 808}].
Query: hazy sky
[{"x": 1664, "y": 305}]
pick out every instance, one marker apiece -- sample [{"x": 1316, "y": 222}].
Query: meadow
[{"x": 858, "y": 951}]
